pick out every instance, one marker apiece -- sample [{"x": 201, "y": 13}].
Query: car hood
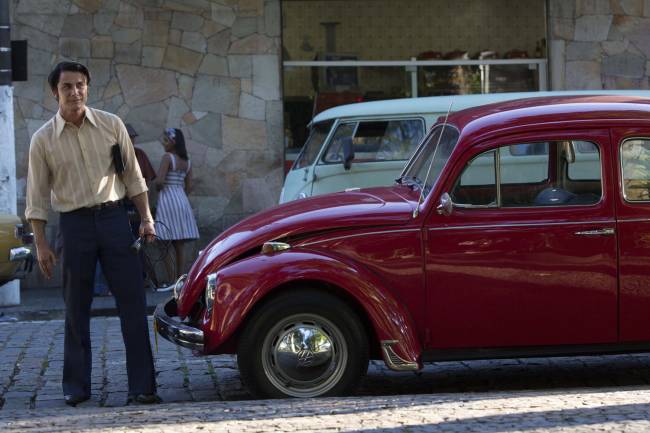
[{"x": 371, "y": 207}]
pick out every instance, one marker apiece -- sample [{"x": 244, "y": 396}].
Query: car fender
[{"x": 241, "y": 285}]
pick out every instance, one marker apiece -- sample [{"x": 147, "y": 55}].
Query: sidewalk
[{"x": 47, "y": 304}]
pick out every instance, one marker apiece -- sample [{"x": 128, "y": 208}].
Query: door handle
[{"x": 598, "y": 232}]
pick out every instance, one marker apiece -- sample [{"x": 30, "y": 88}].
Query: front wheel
[{"x": 303, "y": 344}]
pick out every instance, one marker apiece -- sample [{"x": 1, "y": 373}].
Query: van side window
[
  {"x": 635, "y": 162},
  {"x": 555, "y": 173},
  {"x": 385, "y": 140}
]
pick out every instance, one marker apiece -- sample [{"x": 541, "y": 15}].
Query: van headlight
[{"x": 210, "y": 291}]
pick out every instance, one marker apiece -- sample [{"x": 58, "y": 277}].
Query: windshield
[
  {"x": 312, "y": 145},
  {"x": 417, "y": 168}
]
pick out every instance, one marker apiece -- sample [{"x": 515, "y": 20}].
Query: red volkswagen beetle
[{"x": 517, "y": 229}]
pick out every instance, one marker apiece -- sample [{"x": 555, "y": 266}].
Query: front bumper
[{"x": 167, "y": 326}]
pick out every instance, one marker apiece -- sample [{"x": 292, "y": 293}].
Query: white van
[{"x": 367, "y": 144}]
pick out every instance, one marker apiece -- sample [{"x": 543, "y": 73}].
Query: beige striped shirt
[{"x": 72, "y": 167}]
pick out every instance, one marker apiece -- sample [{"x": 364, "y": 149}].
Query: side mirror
[
  {"x": 445, "y": 205},
  {"x": 348, "y": 153}
]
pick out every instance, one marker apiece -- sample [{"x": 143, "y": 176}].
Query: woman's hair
[{"x": 176, "y": 136}]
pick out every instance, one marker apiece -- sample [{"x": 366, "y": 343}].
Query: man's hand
[
  {"x": 46, "y": 259},
  {"x": 147, "y": 231}
]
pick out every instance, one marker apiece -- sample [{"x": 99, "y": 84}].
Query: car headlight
[{"x": 210, "y": 291}]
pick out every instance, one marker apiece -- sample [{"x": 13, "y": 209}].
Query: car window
[
  {"x": 386, "y": 140},
  {"x": 312, "y": 145},
  {"x": 555, "y": 174},
  {"x": 635, "y": 161}
]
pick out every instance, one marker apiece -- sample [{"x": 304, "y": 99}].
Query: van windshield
[
  {"x": 436, "y": 147},
  {"x": 313, "y": 144}
]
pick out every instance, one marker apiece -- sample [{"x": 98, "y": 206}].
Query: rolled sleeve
[
  {"x": 132, "y": 177},
  {"x": 39, "y": 185}
]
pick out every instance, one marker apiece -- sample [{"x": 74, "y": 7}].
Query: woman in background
[{"x": 174, "y": 217}]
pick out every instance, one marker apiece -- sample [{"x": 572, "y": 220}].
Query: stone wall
[
  {"x": 208, "y": 67},
  {"x": 599, "y": 44}
]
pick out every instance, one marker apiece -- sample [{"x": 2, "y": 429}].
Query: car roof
[
  {"x": 440, "y": 104},
  {"x": 507, "y": 115}
]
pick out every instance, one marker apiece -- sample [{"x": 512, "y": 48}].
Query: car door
[
  {"x": 381, "y": 148},
  {"x": 633, "y": 227},
  {"x": 527, "y": 256}
]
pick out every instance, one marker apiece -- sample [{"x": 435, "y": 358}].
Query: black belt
[{"x": 106, "y": 205}]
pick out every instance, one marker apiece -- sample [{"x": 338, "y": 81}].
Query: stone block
[
  {"x": 214, "y": 65},
  {"x": 77, "y": 26},
  {"x": 103, "y": 22},
  {"x": 646, "y": 8},
  {"x": 36, "y": 38},
  {"x": 182, "y": 60},
  {"x": 100, "y": 70},
  {"x": 562, "y": 28},
  {"x": 628, "y": 7},
  {"x": 152, "y": 57},
  {"x": 89, "y": 6},
  {"x": 266, "y": 77},
  {"x": 244, "y": 134},
  {"x": 210, "y": 28},
  {"x": 45, "y": 7},
  {"x": 273, "y": 18},
  {"x": 148, "y": 120},
  {"x": 175, "y": 37},
  {"x": 155, "y": 33},
  {"x": 593, "y": 28},
  {"x": 251, "y": 107},
  {"x": 258, "y": 195},
  {"x": 247, "y": 85},
  {"x": 617, "y": 83},
  {"x": 592, "y": 7},
  {"x": 126, "y": 36},
  {"x": 240, "y": 66},
  {"x": 50, "y": 24},
  {"x": 223, "y": 15},
  {"x": 193, "y": 41},
  {"x": 250, "y": 8},
  {"x": 185, "y": 87},
  {"x": 275, "y": 125},
  {"x": 219, "y": 43},
  {"x": 636, "y": 31},
  {"x": 177, "y": 109},
  {"x": 557, "y": 60},
  {"x": 561, "y": 9},
  {"x": 216, "y": 94},
  {"x": 128, "y": 53},
  {"x": 612, "y": 48},
  {"x": 207, "y": 131},
  {"x": 253, "y": 44},
  {"x": 39, "y": 61},
  {"x": 146, "y": 85},
  {"x": 624, "y": 65},
  {"x": 243, "y": 27},
  {"x": 583, "y": 75},
  {"x": 74, "y": 48},
  {"x": 112, "y": 89},
  {"x": 129, "y": 16},
  {"x": 101, "y": 47},
  {"x": 196, "y": 6},
  {"x": 187, "y": 22},
  {"x": 583, "y": 51}
]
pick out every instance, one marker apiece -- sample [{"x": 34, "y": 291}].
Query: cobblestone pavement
[{"x": 609, "y": 393}]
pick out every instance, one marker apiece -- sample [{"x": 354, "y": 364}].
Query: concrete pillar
[{"x": 10, "y": 292}]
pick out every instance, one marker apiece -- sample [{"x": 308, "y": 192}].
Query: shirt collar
[{"x": 59, "y": 121}]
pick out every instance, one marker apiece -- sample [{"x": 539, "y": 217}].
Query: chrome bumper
[
  {"x": 167, "y": 326},
  {"x": 19, "y": 254}
]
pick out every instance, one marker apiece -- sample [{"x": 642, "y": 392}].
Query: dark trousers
[{"x": 89, "y": 235}]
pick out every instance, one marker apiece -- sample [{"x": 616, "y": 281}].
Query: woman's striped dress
[{"x": 174, "y": 217}]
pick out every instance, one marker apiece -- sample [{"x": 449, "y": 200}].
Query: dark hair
[
  {"x": 55, "y": 75},
  {"x": 179, "y": 144}
]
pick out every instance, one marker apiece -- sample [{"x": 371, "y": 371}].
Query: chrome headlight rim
[
  {"x": 178, "y": 286},
  {"x": 210, "y": 291}
]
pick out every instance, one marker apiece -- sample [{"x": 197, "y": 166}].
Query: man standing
[{"x": 83, "y": 164}]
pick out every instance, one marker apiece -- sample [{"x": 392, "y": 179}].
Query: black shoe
[
  {"x": 73, "y": 400},
  {"x": 143, "y": 399}
]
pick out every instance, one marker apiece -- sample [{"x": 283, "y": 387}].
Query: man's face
[{"x": 72, "y": 91}]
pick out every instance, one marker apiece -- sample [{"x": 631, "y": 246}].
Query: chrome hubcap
[{"x": 304, "y": 355}]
